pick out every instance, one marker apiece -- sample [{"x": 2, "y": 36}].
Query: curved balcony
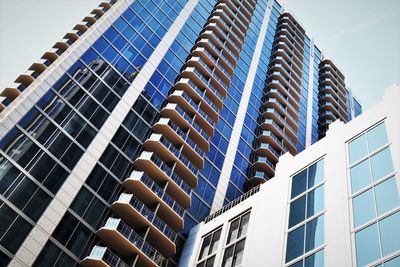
[
  {"x": 271, "y": 113},
  {"x": 207, "y": 100},
  {"x": 259, "y": 177},
  {"x": 216, "y": 92},
  {"x": 287, "y": 64},
  {"x": 263, "y": 164},
  {"x": 277, "y": 67},
  {"x": 128, "y": 243},
  {"x": 267, "y": 150},
  {"x": 102, "y": 257},
  {"x": 192, "y": 108},
  {"x": 235, "y": 17},
  {"x": 213, "y": 72},
  {"x": 224, "y": 33},
  {"x": 171, "y": 156},
  {"x": 133, "y": 212},
  {"x": 148, "y": 192},
  {"x": 270, "y": 138},
  {"x": 241, "y": 13},
  {"x": 280, "y": 52},
  {"x": 274, "y": 103},
  {"x": 160, "y": 172},
  {"x": 177, "y": 115},
  {"x": 178, "y": 137},
  {"x": 224, "y": 58},
  {"x": 327, "y": 115},
  {"x": 217, "y": 62},
  {"x": 229, "y": 51},
  {"x": 276, "y": 94},
  {"x": 230, "y": 19}
]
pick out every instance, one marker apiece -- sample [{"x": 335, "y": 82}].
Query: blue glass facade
[
  {"x": 41, "y": 151},
  {"x": 242, "y": 163}
]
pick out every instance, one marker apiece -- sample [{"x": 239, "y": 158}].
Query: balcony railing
[
  {"x": 105, "y": 255},
  {"x": 178, "y": 154},
  {"x": 208, "y": 84},
  {"x": 203, "y": 95},
  {"x": 159, "y": 192},
  {"x": 136, "y": 240},
  {"x": 148, "y": 214},
  {"x": 185, "y": 138}
]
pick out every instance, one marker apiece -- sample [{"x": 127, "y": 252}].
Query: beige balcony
[
  {"x": 151, "y": 194},
  {"x": 133, "y": 212}
]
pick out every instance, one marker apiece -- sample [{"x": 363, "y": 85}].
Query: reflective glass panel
[
  {"x": 315, "y": 233},
  {"x": 315, "y": 201},
  {"x": 381, "y": 164},
  {"x": 377, "y": 137},
  {"x": 299, "y": 183},
  {"x": 363, "y": 208},
  {"x": 390, "y": 233},
  {"x": 316, "y": 173},
  {"x": 360, "y": 176},
  {"x": 297, "y": 211},
  {"x": 393, "y": 262},
  {"x": 367, "y": 245},
  {"x": 295, "y": 244},
  {"x": 357, "y": 148},
  {"x": 387, "y": 196},
  {"x": 315, "y": 260}
]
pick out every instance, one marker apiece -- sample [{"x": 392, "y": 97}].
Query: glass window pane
[
  {"x": 204, "y": 247},
  {"x": 295, "y": 244},
  {"x": 244, "y": 223},
  {"x": 390, "y": 234},
  {"x": 237, "y": 260},
  {"x": 367, "y": 245},
  {"x": 387, "y": 196},
  {"x": 315, "y": 260},
  {"x": 315, "y": 201},
  {"x": 357, "y": 148},
  {"x": 377, "y": 137},
  {"x": 297, "y": 211},
  {"x": 215, "y": 241},
  {"x": 381, "y": 164},
  {"x": 360, "y": 176},
  {"x": 363, "y": 208},
  {"x": 228, "y": 256},
  {"x": 315, "y": 233},
  {"x": 393, "y": 262},
  {"x": 210, "y": 262},
  {"x": 233, "y": 230},
  {"x": 316, "y": 173},
  {"x": 299, "y": 183}
]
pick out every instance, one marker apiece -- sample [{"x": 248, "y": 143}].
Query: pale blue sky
[{"x": 361, "y": 36}]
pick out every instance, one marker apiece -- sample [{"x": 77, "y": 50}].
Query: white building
[{"x": 335, "y": 204}]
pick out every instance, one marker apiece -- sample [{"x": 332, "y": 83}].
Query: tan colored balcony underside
[
  {"x": 138, "y": 222},
  {"x": 124, "y": 247},
  {"x": 148, "y": 197}
]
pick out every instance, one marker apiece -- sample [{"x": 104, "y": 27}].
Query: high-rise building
[
  {"x": 148, "y": 116},
  {"x": 336, "y": 203}
]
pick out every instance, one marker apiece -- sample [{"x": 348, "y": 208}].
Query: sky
[{"x": 361, "y": 36}]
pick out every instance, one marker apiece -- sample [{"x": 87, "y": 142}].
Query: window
[
  {"x": 235, "y": 242},
  {"x": 208, "y": 248},
  {"x": 306, "y": 219},
  {"x": 378, "y": 240},
  {"x": 375, "y": 198}
]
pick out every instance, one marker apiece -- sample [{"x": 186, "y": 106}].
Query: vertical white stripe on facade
[
  {"x": 238, "y": 125},
  {"x": 310, "y": 96},
  {"x": 39, "y": 235}
]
